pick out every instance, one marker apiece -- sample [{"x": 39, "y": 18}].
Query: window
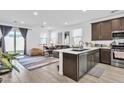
[
  {"x": 53, "y": 37},
  {"x": 19, "y": 42},
  {"x": 44, "y": 38},
  {"x": 67, "y": 37},
  {"x": 76, "y": 36},
  {"x": 9, "y": 42},
  {"x": 14, "y": 42},
  {"x": 60, "y": 38}
]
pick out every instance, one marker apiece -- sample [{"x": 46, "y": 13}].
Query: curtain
[
  {"x": 4, "y": 30},
  {"x": 24, "y": 34},
  {"x": 0, "y": 41}
]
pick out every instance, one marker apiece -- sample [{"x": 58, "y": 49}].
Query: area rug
[
  {"x": 32, "y": 63},
  {"x": 96, "y": 72}
]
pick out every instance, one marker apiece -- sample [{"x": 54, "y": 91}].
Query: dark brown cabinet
[
  {"x": 122, "y": 23},
  {"x": 105, "y": 31},
  {"x": 116, "y": 24},
  {"x": 92, "y": 59},
  {"x": 105, "y": 56},
  {"x": 95, "y": 31},
  {"x": 70, "y": 65},
  {"x": 102, "y": 31},
  {"x": 76, "y": 65}
]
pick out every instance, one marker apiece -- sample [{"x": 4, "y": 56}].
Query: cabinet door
[
  {"x": 95, "y": 31},
  {"x": 106, "y": 31},
  {"x": 89, "y": 60},
  {"x": 116, "y": 24},
  {"x": 92, "y": 60},
  {"x": 94, "y": 57},
  {"x": 122, "y": 23},
  {"x": 70, "y": 65},
  {"x": 105, "y": 56},
  {"x": 97, "y": 56}
]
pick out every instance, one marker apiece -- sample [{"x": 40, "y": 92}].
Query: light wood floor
[{"x": 49, "y": 74}]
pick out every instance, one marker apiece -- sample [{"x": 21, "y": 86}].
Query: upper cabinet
[
  {"x": 116, "y": 24},
  {"x": 95, "y": 31},
  {"x": 103, "y": 30},
  {"x": 122, "y": 23}
]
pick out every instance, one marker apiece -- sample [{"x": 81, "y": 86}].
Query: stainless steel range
[{"x": 117, "y": 51}]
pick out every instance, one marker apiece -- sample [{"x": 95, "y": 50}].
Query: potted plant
[{"x": 6, "y": 61}]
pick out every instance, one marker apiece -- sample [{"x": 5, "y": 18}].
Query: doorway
[{"x": 14, "y": 42}]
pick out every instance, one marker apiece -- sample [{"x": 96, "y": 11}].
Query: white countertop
[
  {"x": 69, "y": 50},
  {"x": 104, "y": 47}
]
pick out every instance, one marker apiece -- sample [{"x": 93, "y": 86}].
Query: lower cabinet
[
  {"x": 70, "y": 66},
  {"x": 75, "y": 66},
  {"x": 92, "y": 59},
  {"x": 105, "y": 56}
]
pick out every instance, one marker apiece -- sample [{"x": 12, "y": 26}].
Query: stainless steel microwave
[{"x": 118, "y": 34}]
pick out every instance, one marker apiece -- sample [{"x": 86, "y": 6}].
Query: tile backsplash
[{"x": 106, "y": 43}]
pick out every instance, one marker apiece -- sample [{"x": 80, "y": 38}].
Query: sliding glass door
[
  {"x": 19, "y": 43},
  {"x": 9, "y": 42},
  {"x": 14, "y": 42}
]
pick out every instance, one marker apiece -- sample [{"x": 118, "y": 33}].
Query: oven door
[{"x": 117, "y": 56}]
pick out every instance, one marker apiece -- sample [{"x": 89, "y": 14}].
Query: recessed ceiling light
[
  {"x": 84, "y": 10},
  {"x": 44, "y": 23},
  {"x": 22, "y": 22},
  {"x": 66, "y": 23},
  {"x": 35, "y": 13}
]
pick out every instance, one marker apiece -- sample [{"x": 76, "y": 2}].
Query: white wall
[{"x": 33, "y": 38}]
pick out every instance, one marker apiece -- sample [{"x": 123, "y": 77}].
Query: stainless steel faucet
[{"x": 81, "y": 43}]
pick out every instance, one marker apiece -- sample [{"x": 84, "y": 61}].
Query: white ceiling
[{"x": 53, "y": 18}]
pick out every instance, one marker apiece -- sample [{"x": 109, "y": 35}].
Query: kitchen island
[{"x": 74, "y": 64}]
